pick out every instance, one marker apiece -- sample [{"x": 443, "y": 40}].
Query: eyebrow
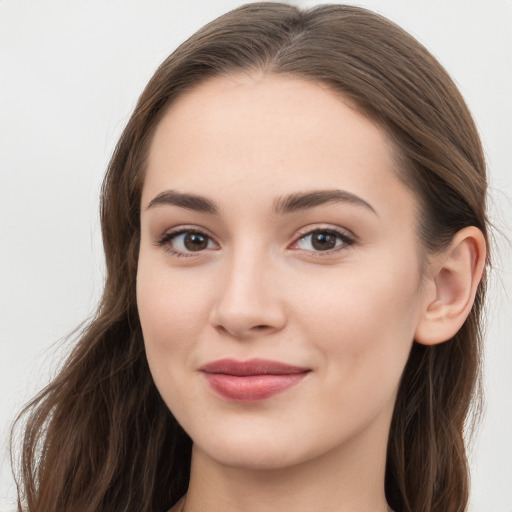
[
  {"x": 305, "y": 200},
  {"x": 287, "y": 204},
  {"x": 188, "y": 201}
]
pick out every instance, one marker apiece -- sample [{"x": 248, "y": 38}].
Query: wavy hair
[{"x": 100, "y": 438}]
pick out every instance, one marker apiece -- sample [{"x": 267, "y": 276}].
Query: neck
[{"x": 350, "y": 478}]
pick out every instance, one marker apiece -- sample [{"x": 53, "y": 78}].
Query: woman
[{"x": 295, "y": 233}]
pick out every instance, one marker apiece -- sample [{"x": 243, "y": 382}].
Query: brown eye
[
  {"x": 195, "y": 241},
  {"x": 323, "y": 240},
  {"x": 185, "y": 242}
]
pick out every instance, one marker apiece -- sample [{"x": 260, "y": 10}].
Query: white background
[{"x": 70, "y": 74}]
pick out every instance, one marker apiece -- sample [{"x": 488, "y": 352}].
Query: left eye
[
  {"x": 187, "y": 242},
  {"x": 322, "y": 241}
]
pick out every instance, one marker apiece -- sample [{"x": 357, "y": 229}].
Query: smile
[{"x": 253, "y": 380}]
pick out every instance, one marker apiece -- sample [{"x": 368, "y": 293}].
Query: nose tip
[{"x": 248, "y": 305}]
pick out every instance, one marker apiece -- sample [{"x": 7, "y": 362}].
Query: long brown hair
[{"x": 99, "y": 437}]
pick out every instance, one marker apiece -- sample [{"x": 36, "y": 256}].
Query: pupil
[
  {"x": 195, "y": 242},
  {"x": 323, "y": 241}
]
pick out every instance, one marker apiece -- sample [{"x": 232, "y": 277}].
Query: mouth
[{"x": 252, "y": 380}]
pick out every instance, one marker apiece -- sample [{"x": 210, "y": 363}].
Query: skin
[{"x": 261, "y": 289}]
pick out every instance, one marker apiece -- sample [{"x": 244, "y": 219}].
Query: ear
[{"x": 453, "y": 278}]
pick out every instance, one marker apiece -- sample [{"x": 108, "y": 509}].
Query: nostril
[
  {"x": 241, "y": 332},
  {"x": 221, "y": 329}
]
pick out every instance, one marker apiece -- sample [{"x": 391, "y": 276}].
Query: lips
[{"x": 253, "y": 380}]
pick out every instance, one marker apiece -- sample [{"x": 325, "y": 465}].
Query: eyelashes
[
  {"x": 323, "y": 241},
  {"x": 319, "y": 242},
  {"x": 186, "y": 242}
]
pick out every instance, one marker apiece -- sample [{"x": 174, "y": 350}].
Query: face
[{"x": 278, "y": 283}]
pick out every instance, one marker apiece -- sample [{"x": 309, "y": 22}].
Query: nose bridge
[{"x": 248, "y": 301}]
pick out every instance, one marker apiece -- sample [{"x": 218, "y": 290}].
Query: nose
[{"x": 249, "y": 303}]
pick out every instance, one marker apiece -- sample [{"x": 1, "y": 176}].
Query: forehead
[{"x": 256, "y": 134}]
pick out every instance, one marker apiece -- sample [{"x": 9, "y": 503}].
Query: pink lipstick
[{"x": 252, "y": 380}]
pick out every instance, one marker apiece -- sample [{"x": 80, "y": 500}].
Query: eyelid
[
  {"x": 170, "y": 234},
  {"x": 347, "y": 237},
  {"x": 311, "y": 228}
]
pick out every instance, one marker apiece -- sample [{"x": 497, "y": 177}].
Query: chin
[
  {"x": 263, "y": 447},
  {"x": 254, "y": 455}
]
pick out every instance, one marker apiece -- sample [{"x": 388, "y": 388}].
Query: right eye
[{"x": 186, "y": 242}]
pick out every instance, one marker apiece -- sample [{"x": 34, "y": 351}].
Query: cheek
[
  {"x": 171, "y": 319},
  {"x": 171, "y": 310},
  {"x": 364, "y": 322}
]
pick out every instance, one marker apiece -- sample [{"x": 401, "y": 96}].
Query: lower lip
[{"x": 251, "y": 388}]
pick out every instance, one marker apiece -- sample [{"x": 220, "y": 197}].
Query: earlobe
[{"x": 454, "y": 278}]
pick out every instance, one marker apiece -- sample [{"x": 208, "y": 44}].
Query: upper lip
[{"x": 251, "y": 367}]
